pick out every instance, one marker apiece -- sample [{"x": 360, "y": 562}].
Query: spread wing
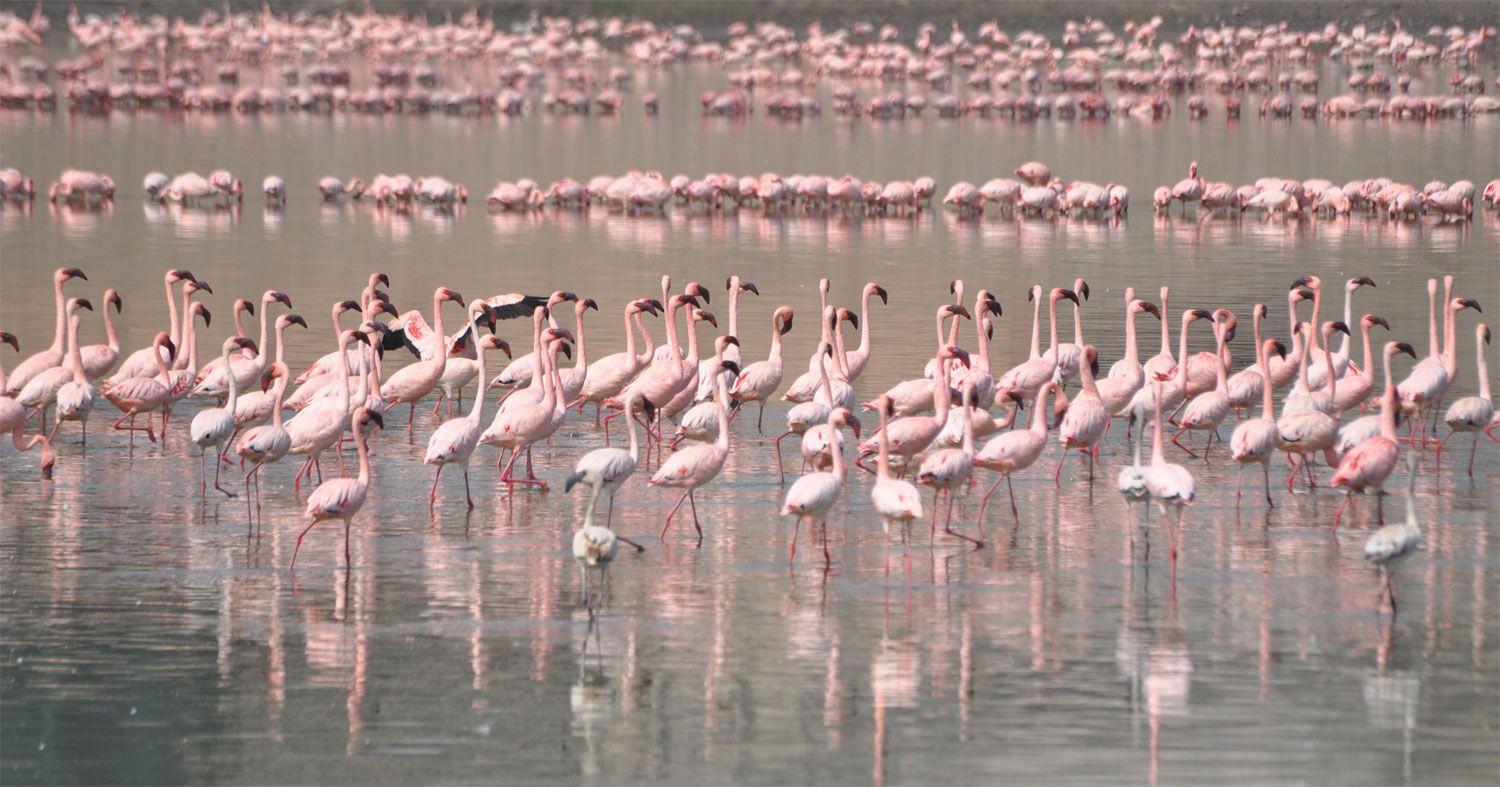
[{"x": 514, "y": 304}]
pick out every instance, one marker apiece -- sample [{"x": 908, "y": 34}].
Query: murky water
[{"x": 146, "y": 639}]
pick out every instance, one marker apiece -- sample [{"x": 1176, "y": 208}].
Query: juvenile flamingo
[
  {"x": 696, "y": 465},
  {"x": 1366, "y": 468},
  {"x": 212, "y": 427},
  {"x": 341, "y": 498},
  {"x": 813, "y": 496},
  {"x": 1254, "y": 440}
]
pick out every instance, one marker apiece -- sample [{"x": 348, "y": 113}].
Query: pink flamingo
[
  {"x": 266, "y": 443},
  {"x": 1315, "y": 377},
  {"x": 1284, "y": 370},
  {"x": 140, "y": 363},
  {"x": 454, "y": 440},
  {"x": 947, "y": 469},
  {"x": 1424, "y": 388},
  {"x": 572, "y": 379},
  {"x": 53, "y": 355},
  {"x": 1254, "y": 440},
  {"x": 318, "y": 426},
  {"x": 216, "y": 378},
  {"x": 759, "y": 381},
  {"x": 341, "y": 498},
  {"x": 607, "y": 377},
  {"x": 1168, "y": 484},
  {"x": 1471, "y": 413},
  {"x": 1126, "y": 375},
  {"x": 13, "y": 418},
  {"x": 1086, "y": 418},
  {"x": 1163, "y": 360},
  {"x": 1028, "y": 377},
  {"x": 858, "y": 358},
  {"x": 661, "y": 381},
  {"x": 1175, "y": 385},
  {"x": 696, "y": 465},
  {"x": 1356, "y": 382},
  {"x": 411, "y": 383},
  {"x": 1010, "y": 452},
  {"x": 1207, "y": 410},
  {"x": 1306, "y": 432},
  {"x": 139, "y": 395},
  {"x": 897, "y": 501},
  {"x": 327, "y": 369},
  {"x": 75, "y": 399},
  {"x": 912, "y": 434},
  {"x": 254, "y": 407},
  {"x": 813, "y": 496},
  {"x": 213, "y": 426},
  {"x": 1189, "y": 189},
  {"x": 518, "y": 429},
  {"x": 96, "y": 360},
  {"x": 40, "y": 392},
  {"x": 1366, "y": 468},
  {"x": 705, "y": 388}
]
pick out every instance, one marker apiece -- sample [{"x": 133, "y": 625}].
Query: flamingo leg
[
  {"x": 985, "y": 501},
  {"x": 827, "y": 557},
  {"x": 1474, "y": 446},
  {"x": 1180, "y": 445},
  {"x": 1340, "y": 512},
  {"x": 760, "y": 418},
  {"x": 1265, "y": 469},
  {"x": 779, "y": 467},
  {"x": 432, "y": 494},
  {"x": 217, "y": 467},
  {"x": 349, "y": 564},
  {"x": 796, "y": 530},
  {"x": 1057, "y": 474},
  {"x": 693, "y": 505},
  {"x": 948, "y": 525},
  {"x": 673, "y": 512},
  {"x": 469, "y": 498},
  {"x": 298, "y": 547}
]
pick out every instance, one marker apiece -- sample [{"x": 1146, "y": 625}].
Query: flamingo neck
[
  {"x": 1333, "y": 383},
  {"x": 161, "y": 367},
  {"x": 439, "y": 358},
  {"x": 775, "y": 354},
  {"x": 1038, "y": 416},
  {"x": 1483, "y": 365},
  {"x": 864, "y": 323},
  {"x": 190, "y": 338},
  {"x": 1364, "y": 335},
  {"x": 174, "y": 329},
  {"x": 582, "y": 362},
  {"x": 982, "y": 342},
  {"x": 645, "y": 356},
  {"x": 635, "y": 445},
  {"x": 1182, "y": 356},
  {"x": 364, "y": 453},
  {"x": 111, "y": 339},
  {"x": 1132, "y": 349},
  {"x": 478, "y": 405},
  {"x": 1086, "y": 373},
  {"x": 276, "y": 402},
  {"x": 343, "y": 382},
  {"x": 836, "y": 453},
  {"x": 969, "y": 421},
  {"x": 234, "y": 390},
  {"x": 675, "y": 350},
  {"x": 721, "y": 399},
  {"x": 692, "y": 330},
  {"x": 260, "y": 348},
  {"x": 883, "y": 461},
  {"x": 734, "y": 311},
  {"x": 1348, "y": 320},
  {"x": 1389, "y": 399},
  {"x": 1221, "y": 373},
  {"x": 280, "y": 343},
  {"x": 1263, "y": 360},
  {"x": 1450, "y": 347},
  {"x": 185, "y": 329},
  {"x": 75, "y": 353},
  {"x": 1166, "y": 327},
  {"x": 940, "y": 391},
  {"x": 629, "y": 333},
  {"x": 1052, "y": 326},
  {"x": 1036, "y": 326},
  {"x": 1156, "y": 449},
  {"x": 1433, "y": 348}
]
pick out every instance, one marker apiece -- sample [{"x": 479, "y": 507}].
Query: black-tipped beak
[
  {"x": 1151, "y": 309},
  {"x": 75, "y": 273},
  {"x": 208, "y": 316},
  {"x": 590, "y": 303},
  {"x": 296, "y": 319},
  {"x": 383, "y": 279},
  {"x": 687, "y": 300},
  {"x": 572, "y": 481},
  {"x": 749, "y": 287},
  {"x": 734, "y": 340},
  {"x": 203, "y": 285},
  {"x": 1407, "y": 348},
  {"x": 1083, "y": 289},
  {"x": 1018, "y": 399},
  {"x": 567, "y": 350},
  {"x": 885, "y": 298},
  {"x": 656, "y": 307},
  {"x": 114, "y": 300},
  {"x": 182, "y": 274},
  {"x": 1470, "y": 303},
  {"x": 376, "y": 418},
  {"x": 362, "y": 337},
  {"x": 283, "y": 298},
  {"x": 1280, "y": 349},
  {"x": 959, "y": 310},
  {"x": 1306, "y": 294},
  {"x": 504, "y": 347},
  {"x": 1365, "y": 281},
  {"x": 1341, "y": 328},
  {"x": 171, "y": 348},
  {"x": 731, "y": 367},
  {"x": 1202, "y": 314},
  {"x": 10, "y": 339},
  {"x": 1376, "y": 319},
  {"x": 245, "y": 343},
  {"x": 700, "y": 290},
  {"x": 1300, "y": 281},
  {"x": 248, "y": 307},
  {"x": 853, "y": 320},
  {"x": 349, "y": 306},
  {"x": 1072, "y": 296},
  {"x": 786, "y": 327},
  {"x": 83, "y": 303}
]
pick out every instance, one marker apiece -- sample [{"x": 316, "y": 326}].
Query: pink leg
[
  {"x": 432, "y": 495},
  {"x": 298, "y": 548},
  {"x": 984, "y": 503},
  {"x": 948, "y": 525},
  {"x": 673, "y": 512},
  {"x": 469, "y": 498},
  {"x": 796, "y": 530},
  {"x": 779, "y": 468},
  {"x": 693, "y": 505}
]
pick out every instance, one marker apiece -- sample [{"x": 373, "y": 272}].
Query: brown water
[{"x": 147, "y": 640}]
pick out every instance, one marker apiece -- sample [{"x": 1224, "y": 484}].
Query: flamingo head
[
  {"x": 1016, "y": 398},
  {"x": 244, "y": 305},
  {"x": 164, "y": 340},
  {"x": 1148, "y": 307},
  {"x": 241, "y": 343},
  {"x": 850, "y": 420},
  {"x": 446, "y": 294},
  {"x": 201, "y": 310},
  {"x": 954, "y": 351},
  {"x": 496, "y": 343},
  {"x": 1362, "y": 281},
  {"x": 850, "y": 317},
  {"x": 1091, "y": 355},
  {"x": 703, "y": 316},
  {"x": 1033, "y": 293},
  {"x": 1486, "y": 334},
  {"x": 1329, "y": 328},
  {"x": 364, "y": 416},
  {"x": 1466, "y": 303},
  {"x": 10, "y": 339},
  {"x": 1311, "y": 282},
  {"x": 277, "y": 296},
  {"x": 1375, "y": 319},
  {"x": 82, "y": 303},
  {"x": 586, "y": 304},
  {"x": 957, "y": 310},
  {"x": 989, "y": 304},
  {"x": 291, "y": 319},
  {"x": 63, "y": 274},
  {"x": 112, "y": 298},
  {"x": 1277, "y": 347},
  {"x": 727, "y": 366},
  {"x": 179, "y": 274},
  {"x": 697, "y": 290},
  {"x": 345, "y": 306},
  {"x": 1082, "y": 288},
  {"x": 684, "y": 300},
  {"x": 1058, "y": 293},
  {"x": 784, "y": 315},
  {"x": 1229, "y": 321},
  {"x": 379, "y": 278},
  {"x": 1406, "y": 348},
  {"x": 885, "y": 297}
]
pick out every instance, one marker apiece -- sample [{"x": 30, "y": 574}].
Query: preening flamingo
[
  {"x": 211, "y": 427},
  {"x": 813, "y": 496},
  {"x": 1469, "y": 414},
  {"x": 1366, "y": 468},
  {"x": 341, "y": 498}
]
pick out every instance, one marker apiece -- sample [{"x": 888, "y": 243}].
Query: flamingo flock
[{"x": 949, "y": 425}]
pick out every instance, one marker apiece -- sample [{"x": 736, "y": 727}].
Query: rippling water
[{"x": 147, "y": 639}]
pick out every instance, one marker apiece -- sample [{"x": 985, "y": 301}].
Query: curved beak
[
  {"x": 504, "y": 346},
  {"x": 734, "y": 340},
  {"x": 885, "y": 298},
  {"x": 731, "y": 367},
  {"x": 959, "y": 310},
  {"x": 1376, "y": 319},
  {"x": 245, "y": 343},
  {"x": 1151, "y": 309},
  {"x": 1083, "y": 289},
  {"x": 296, "y": 319},
  {"x": 1300, "y": 281},
  {"x": 697, "y": 289},
  {"x": 1364, "y": 281},
  {"x": 362, "y": 337},
  {"x": 10, "y": 339},
  {"x": 1280, "y": 349},
  {"x": 786, "y": 327},
  {"x": 114, "y": 299},
  {"x": 1406, "y": 348},
  {"x": 83, "y": 303},
  {"x": 203, "y": 285},
  {"x": 749, "y": 287},
  {"x": 1341, "y": 328},
  {"x": 74, "y": 273},
  {"x": 283, "y": 298},
  {"x": 349, "y": 306},
  {"x": 1470, "y": 303},
  {"x": 182, "y": 274},
  {"x": 1072, "y": 296},
  {"x": 375, "y": 418},
  {"x": 590, "y": 303},
  {"x": 383, "y": 279},
  {"x": 1202, "y": 314}
]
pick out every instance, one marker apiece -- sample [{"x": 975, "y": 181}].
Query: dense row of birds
[
  {"x": 373, "y": 63},
  {"x": 679, "y": 401},
  {"x": 1034, "y": 192}
]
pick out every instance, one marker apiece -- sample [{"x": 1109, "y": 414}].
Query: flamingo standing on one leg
[
  {"x": 813, "y": 496},
  {"x": 1469, "y": 414},
  {"x": 212, "y": 427},
  {"x": 1254, "y": 440},
  {"x": 341, "y": 498},
  {"x": 1366, "y": 468},
  {"x": 696, "y": 465}
]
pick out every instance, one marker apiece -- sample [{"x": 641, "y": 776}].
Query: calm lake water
[{"x": 149, "y": 640}]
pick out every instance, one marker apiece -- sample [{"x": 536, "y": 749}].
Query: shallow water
[{"x": 150, "y": 640}]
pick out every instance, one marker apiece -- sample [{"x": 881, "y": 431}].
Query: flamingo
[
  {"x": 179, "y": 380},
  {"x": 371, "y": 302},
  {"x": 1189, "y": 189},
  {"x": 1086, "y": 418},
  {"x": 661, "y": 381},
  {"x": 1131, "y": 480},
  {"x": 895, "y": 500},
  {"x": 1175, "y": 381},
  {"x": 820, "y": 440},
  {"x": 1254, "y": 440},
  {"x": 1302, "y": 396},
  {"x": 254, "y": 407},
  {"x": 947, "y": 469},
  {"x": 520, "y": 427},
  {"x": 409, "y": 384},
  {"x": 1469, "y": 414},
  {"x": 911, "y": 397},
  {"x": 341, "y": 498},
  {"x": 1207, "y": 410},
  {"x": 1247, "y": 384},
  {"x": 1066, "y": 354},
  {"x": 454, "y": 440},
  {"x": 813, "y": 496},
  {"x": 1028, "y": 377},
  {"x": 805, "y": 386},
  {"x": 1427, "y": 383},
  {"x": 213, "y": 426},
  {"x": 1316, "y": 377},
  {"x": 705, "y": 386},
  {"x": 912, "y": 434},
  {"x": 687, "y": 384},
  {"x": 1203, "y": 367},
  {"x": 266, "y": 443},
  {"x": 1162, "y": 361},
  {"x": 1168, "y": 484},
  {"x": 1284, "y": 370},
  {"x": 806, "y": 416},
  {"x": 139, "y": 395},
  {"x": 40, "y": 392},
  {"x": 53, "y": 355},
  {"x": 215, "y": 379},
  {"x": 572, "y": 379},
  {"x": 608, "y": 376},
  {"x": 609, "y": 468},
  {"x": 1366, "y": 468},
  {"x": 691, "y": 289},
  {"x": 75, "y": 398},
  {"x": 1305, "y": 432},
  {"x": 13, "y": 417},
  {"x": 316, "y": 378},
  {"x": 96, "y": 360},
  {"x": 1126, "y": 375},
  {"x": 1009, "y": 452},
  {"x": 139, "y": 363},
  {"x": 696, "y": 465},
  {"x": 319, "y": 425},
  {"x": 760, "y": 379},
  {"x": 858, "y": 358},
  {"x": 593, "y": 546},
  {"x": 521, "y": 369},
  {"x": 1355, "y": 383},
  {"x": 1390, "y": 543},
  {"x": 701, "y": 421}
]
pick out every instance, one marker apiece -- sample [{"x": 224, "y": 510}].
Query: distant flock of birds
[
  {"x": 1034, "y": 192},
  {"x": 679, "y": 401},
  {"x": 253, "y": 62}
]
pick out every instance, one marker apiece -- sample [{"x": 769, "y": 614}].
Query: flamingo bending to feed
[
  {"x": 53, "y": 355},
  {"x": 609, "y": 468},
  {"x": 454, "y": 440},
  {"x": 696, "y": 465},
  {"x": 1168, "y": 484},
  {"x": 1366, "y": 468},
  {"x": 593, "y": 546},
  {"x": 813, "y": 496},
  {"x": 409, "y": 384},
  {"x": 1469, "y": 414},
  {"x": 139, "y": 395},
  {"x": 212, "y": 427},
  {"x": 947, "y": 469},
  {"x": 1389, "y": 544},
  {"x": 1254, "y": 440},
  {"x": 341, "y": 498},
  {"x": 759, "y": 381},
  {"x": 896, "y": 500},
  {"x": 1017, "y": 450}
]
